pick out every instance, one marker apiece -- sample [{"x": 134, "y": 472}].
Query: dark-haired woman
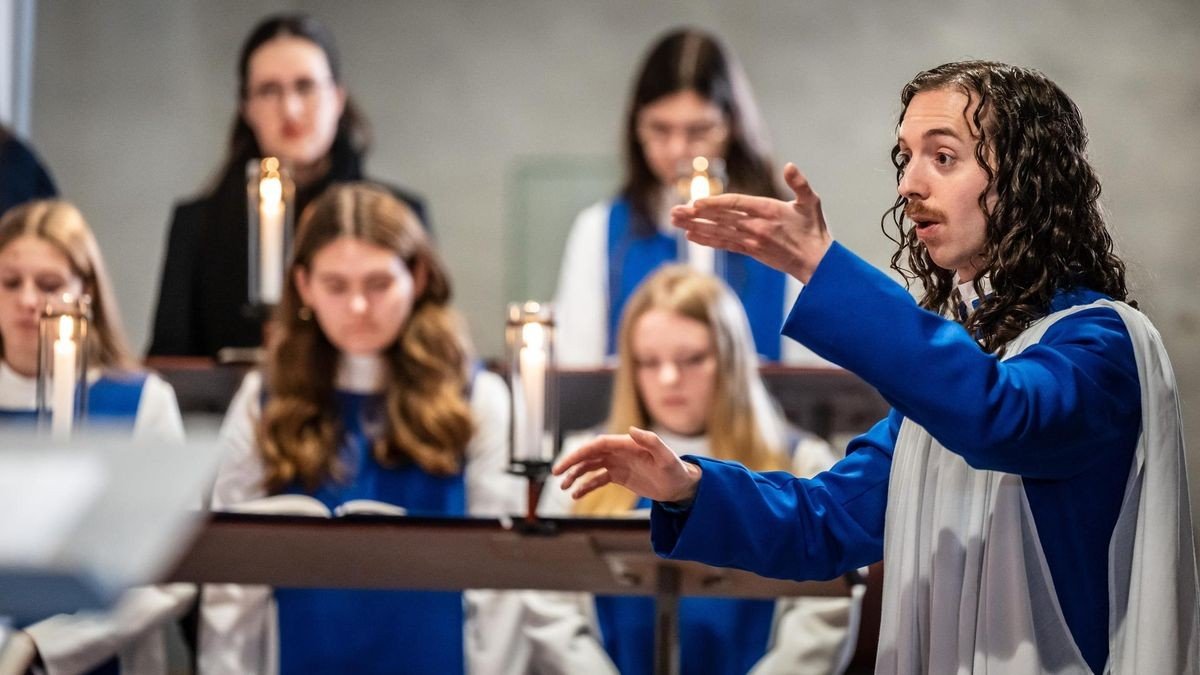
[
  {"x": 691, "y": 99},
  {"x": 291, "y": 105},
  {"x": 368, "y": 392}
]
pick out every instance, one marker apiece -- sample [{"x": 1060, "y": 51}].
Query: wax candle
[
  {"x": 532, "y": 364},
  {"x": 64, "y": 375},
  {"x": 270, "y": 239}
]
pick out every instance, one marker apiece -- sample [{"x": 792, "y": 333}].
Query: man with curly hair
[{"x": 1028, "y": 490}]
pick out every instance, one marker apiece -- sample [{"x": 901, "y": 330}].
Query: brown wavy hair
[
  {"x": 687, "y": 59},
  {"x": 427, "y": 416},
  {"x": 1045, "y": 229},
  {"x": 744, "y": 424},
  {"x": 61, "y": 224}
]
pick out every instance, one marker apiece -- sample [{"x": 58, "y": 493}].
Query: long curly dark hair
[{"x": 1045, "y": 229}]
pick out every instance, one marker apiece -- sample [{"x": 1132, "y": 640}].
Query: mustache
[{"x": 918, "y": 211}]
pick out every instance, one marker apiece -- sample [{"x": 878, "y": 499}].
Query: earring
[{"x": 305, "y": 313}]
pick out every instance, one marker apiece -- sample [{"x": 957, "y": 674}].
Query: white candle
[
  {"x": 700, "y": 188},
  {"x": 532, "y": 365},
  {"x": 62, "y": 411},
  {"x": 270, "y": 240}
]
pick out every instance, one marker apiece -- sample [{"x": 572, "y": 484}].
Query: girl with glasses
[{"x": 690, "y": 99}]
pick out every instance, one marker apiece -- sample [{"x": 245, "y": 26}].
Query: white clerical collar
[
  {"x": 361, "y": 374},
  {"x": 967, "y": 300}
]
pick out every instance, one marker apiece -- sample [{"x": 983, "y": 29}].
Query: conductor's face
[
  {"x": 942, "y": 179},
  {"x": 292, "y": 103},
  {"x": 676, "y": 370},
  {"x": 361, "y": 294}
]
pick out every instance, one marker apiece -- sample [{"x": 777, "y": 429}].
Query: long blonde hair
[
  {"x": 743, "y": 424},
  {"x": 60, "y": 224},
  {"x": 428, "y": 417}
]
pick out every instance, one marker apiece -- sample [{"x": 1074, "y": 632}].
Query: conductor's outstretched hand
[
  {"x": 639, "y": 461},
  {"x": 789, "y": 236}
]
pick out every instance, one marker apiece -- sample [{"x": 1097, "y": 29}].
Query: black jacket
[{"x": 203, "y": 299}]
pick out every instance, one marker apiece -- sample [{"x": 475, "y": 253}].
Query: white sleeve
[
  {"x": 158, "y": 415},
  {"x": 74, "y": 643},
  {"x": 812, "y": 635},
  {"x": 240, "y": 473},
  {"x": 581, "y": 303},
  {"x": 491, "y": 489},
  {"x": 237, "y": 622}
]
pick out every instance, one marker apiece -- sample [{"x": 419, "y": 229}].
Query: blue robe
[
  {"x": 373, "y": 631},
  {"x": 112, "y": 403},
  {"x": 1064, "y": 415},
  {"x": 633, "y": 256}
]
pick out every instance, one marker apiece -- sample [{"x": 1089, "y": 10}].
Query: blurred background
[{"x": 506, "y": 117}]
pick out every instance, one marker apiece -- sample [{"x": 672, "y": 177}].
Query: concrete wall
[{"x": 475, "y": 104}]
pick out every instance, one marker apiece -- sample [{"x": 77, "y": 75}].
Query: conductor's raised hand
[
  {"x": 639, "y": 461},
  {"x": 790, "y": 236}
]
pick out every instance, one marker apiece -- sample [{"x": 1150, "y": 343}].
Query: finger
[
  {"x": 649, "y": 441},
  {"x": 737, "y": 245},
  {"x": 580, "y": 470},
  {"x": 760, "y": 207},
  {"x": 797, "y": 181},
  {"x": 593, "y": 482},
  {"x": 591, "y": 450}
]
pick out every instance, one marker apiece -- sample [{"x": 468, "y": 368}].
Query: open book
[{"x": 303, "y": 505}]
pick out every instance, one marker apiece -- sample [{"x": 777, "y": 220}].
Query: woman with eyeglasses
[
  {"x": 291, "y": 105},
  {"x": 691, "y": 99},
  {"x": 687, "y": 371},
  {"x": 47, "y": 250}
]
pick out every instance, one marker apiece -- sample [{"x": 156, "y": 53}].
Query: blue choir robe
[
  {"x": 372, "y": 631},
  {"x": 1063, "y": 415}
]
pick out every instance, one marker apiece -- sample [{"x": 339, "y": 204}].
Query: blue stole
[
  {"x": 375, "y": 631},
  {"x": 112, "y": 403},
  {"x": 716, "y": 635},
  {"x": 633, "y": 257}
]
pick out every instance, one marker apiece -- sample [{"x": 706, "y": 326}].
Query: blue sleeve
[
  {"x": 1043, "y": 413},
  {"x": 777, "y": 525}
]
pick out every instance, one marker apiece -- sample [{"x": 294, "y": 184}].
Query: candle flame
[
  {"x": 270, "y": 192},
  {"x": 700, "y": 164},
  {"x": 699, "y": 187},
  {"x": 66, "y": 328},
  {"x": 533, "y": 335}
]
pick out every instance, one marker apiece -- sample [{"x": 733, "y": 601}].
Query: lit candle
[
  {"x": 63, "y": 408},
  {"x": 700, "y": 188},
  {"x": 270, "y": 234},
  {"x": 532, "y": 364},
  {"x": 701, "y": 258}
]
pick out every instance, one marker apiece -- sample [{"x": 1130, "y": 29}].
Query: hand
[
  {"x": 639, "y": 461},
  {"x": 790, "y": 236}
]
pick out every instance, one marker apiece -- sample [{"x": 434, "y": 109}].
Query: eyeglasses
[
  {"x": 684, "y": 365},
  {"x": 306, "y": 89},
  {"x": 660, "y": 133}
]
